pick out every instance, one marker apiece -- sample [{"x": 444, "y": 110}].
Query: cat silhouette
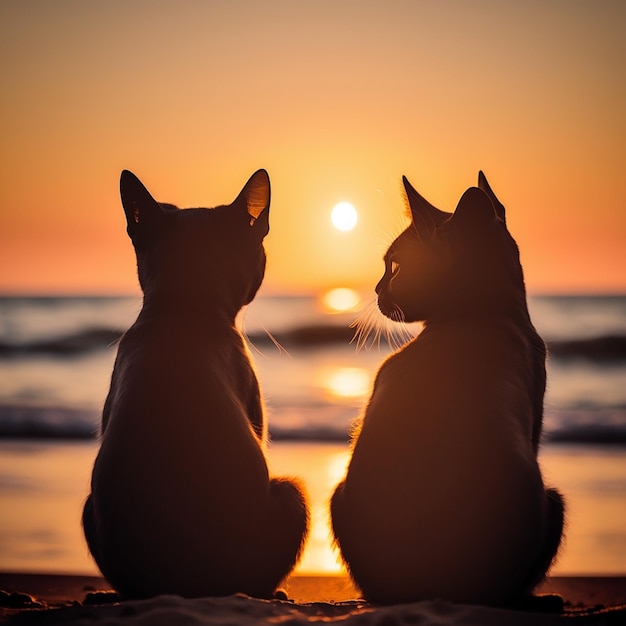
[
  {"x": 181, "y": 501},
  {"x": 443, "y": 496}
]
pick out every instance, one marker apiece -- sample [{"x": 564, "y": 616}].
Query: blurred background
[{"x": 337, "y": 100}]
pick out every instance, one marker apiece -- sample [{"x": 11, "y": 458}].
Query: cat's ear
[
  {"x": 475, "y": 211},
  {"x": 254, "y": 198},
  {"x": 142, "y": 211},
  {"x": 425, "y": 216},
  {"x": 497, "y": 205}
]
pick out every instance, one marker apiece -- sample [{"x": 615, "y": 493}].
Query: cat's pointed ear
[
  {"x": 425, "y": 216},
  {"x": 255, "y": 199},
  {"x": 142, "y": 211},
  {"x": 475, "y": 211},
  {"x": 497, "y": 205}
]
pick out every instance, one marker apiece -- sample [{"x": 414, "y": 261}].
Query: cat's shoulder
[
  {"x": 461, "y": 346},
  {"x": 155, "y": 336}
]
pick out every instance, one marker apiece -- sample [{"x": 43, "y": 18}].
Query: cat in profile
[
  {"x": 443, "y": 496},
  {"x": 181, "y": 501}
]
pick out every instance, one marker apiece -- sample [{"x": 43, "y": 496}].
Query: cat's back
[
  {"x": 447, "y": 427},
  {"x": 470, "y": 375},
  {"x": 452, "y": 398},
  {"x": 162, "y": 365},
  {"x": 175, "y": 391},
  {"x": 177, "y": 347}
]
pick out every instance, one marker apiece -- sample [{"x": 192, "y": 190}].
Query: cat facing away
[
  {"x": 181, "y": 501},
  {"x": 443, "y": 496}
]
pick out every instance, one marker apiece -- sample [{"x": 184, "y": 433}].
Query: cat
[
  {"x": 181, "y": 501},
  {"x": 443, "y": 496}
]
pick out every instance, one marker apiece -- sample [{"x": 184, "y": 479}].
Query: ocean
[{"x": 56, "y": 356}]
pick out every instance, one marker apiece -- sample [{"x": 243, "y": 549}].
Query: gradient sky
[{"x": 337, "y": 100}]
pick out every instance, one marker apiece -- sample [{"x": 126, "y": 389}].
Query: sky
[{"x": 337, "y": 100}]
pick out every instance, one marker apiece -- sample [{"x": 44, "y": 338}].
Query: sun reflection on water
[
  {"x": 346, "y": 382},
  {"x": 322, "y": 466}
]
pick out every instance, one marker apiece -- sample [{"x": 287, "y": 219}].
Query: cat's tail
[{"x": 287, "y": 530}]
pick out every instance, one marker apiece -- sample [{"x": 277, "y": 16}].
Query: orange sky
[{"x": 337, "y": 100}]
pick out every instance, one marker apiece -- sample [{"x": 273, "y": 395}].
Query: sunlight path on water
[
  {"x": 321, "y": 466},
  {"x": 43, "y": 485}
]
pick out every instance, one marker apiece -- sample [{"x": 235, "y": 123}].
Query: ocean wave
[
  {"x": 91, "y": 339},
  {"x": 609, "y": 348},
  {"x": 604, "y": 349},
  {"x": 47, "y": 422},
  {"x": 86, "y": 340},
  {"x": 305, "y": 336},
  {"x": 606, "y": 425},
  {"x": 601, "y": 434},
  {"x": 579, "y": 426}
]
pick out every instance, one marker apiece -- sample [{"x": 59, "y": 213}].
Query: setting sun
[{"x": 344, "y": 216}]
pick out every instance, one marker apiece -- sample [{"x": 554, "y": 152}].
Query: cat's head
[
  {"x": 451, "y": 264},
  {"x": 198, "y": 257}
]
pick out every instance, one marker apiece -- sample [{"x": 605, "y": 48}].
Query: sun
[{"x": 344, "y": 216}]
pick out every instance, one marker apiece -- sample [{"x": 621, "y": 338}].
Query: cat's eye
[{"x": 394, "y": 267}]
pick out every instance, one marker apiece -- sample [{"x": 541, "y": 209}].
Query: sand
[
  {"x": 57, "y": 599},
  {"x": 594, "y": 543}
]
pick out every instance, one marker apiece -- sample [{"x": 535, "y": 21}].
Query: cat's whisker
[
  {"x": 374, "y": 322},
  {"x": 379, "y": 334},
  {"x": 394, "y": 329},
  {"x": 115, "y": 342},
  {"x": 365, "y": 324},
  {"x": 390, "y": 329},
  {"x": 361, "y": 326},
  {"x": 390, "y": 233},
  {"x": 372, "y": 328},
  {"x": 281, "y": 349},
  {"x": 402, "y": 333}
]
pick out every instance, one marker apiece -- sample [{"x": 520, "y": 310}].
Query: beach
[
  {"x": 44, "y": 485},
  {"x": 57, "y": 599},
  {"x": 367, "y": 132},
  {"x": 55, "y": 360},
  {"x": 43, "y": 552}
]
